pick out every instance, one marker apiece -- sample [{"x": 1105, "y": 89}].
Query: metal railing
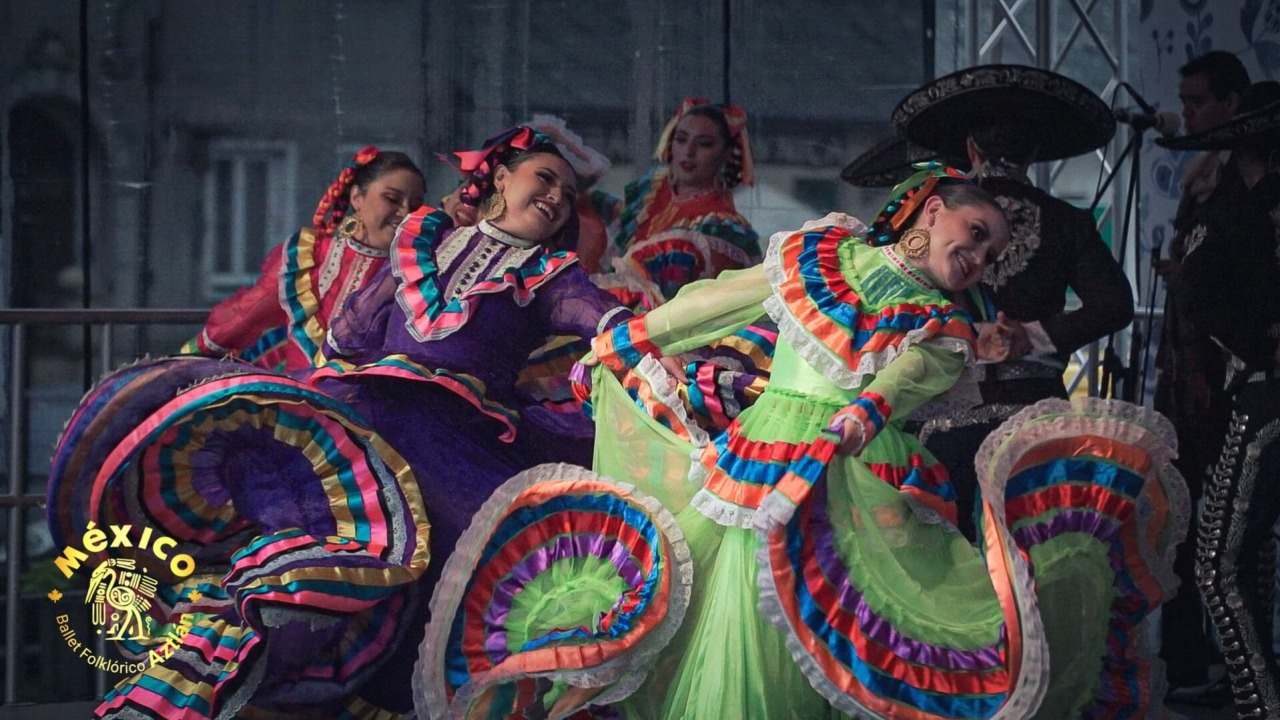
[{"x": 13, "y": 499}]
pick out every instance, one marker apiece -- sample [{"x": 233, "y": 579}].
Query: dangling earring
[
  {"x": 497, "y": 206},
  {"x": 351, "y": 226},
  {"x": 914, "y": 244}
]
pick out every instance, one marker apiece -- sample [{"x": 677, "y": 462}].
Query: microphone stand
[{"x": 1117, "y": 380}]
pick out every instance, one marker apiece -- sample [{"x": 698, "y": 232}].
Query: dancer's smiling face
[
  {"x": 384, "y": 203},
  {"x": 963, "y": 241},
  {"x": 539, "y": 191}
]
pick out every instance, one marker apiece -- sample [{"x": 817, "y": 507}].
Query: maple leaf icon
[
  {"x": 195, "y": 596},
  {"x": 54, "y": 595}
]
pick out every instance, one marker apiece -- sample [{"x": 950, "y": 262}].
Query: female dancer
[
  {"x": 678, "y": 222},
  {"x": 817, "y": 565},
  {"x": 280, "y": 321},
  {"x": 303, "y": 503}
]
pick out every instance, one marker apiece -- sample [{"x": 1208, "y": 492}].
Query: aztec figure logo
[
  {"x": 116, "y": 584},
  {"x": 121, "y": 594}
]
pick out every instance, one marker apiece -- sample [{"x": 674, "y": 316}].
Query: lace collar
[
  {"x": 505, "y": 237},
  {"x": 906, "y": 268},
  {"x": 361, "y": 249}
]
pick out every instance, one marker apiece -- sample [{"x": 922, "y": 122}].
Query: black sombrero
[
  {"x": 1258, "y": 116},
  {"x": 1071, "y": 118},
  {"x": 886, "y": 163}
]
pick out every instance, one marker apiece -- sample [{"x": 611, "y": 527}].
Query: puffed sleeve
[
  {"x": 574, "y": 306},
  {"x": 237, "y": 323},
  {"x": 700, "y": 314}
]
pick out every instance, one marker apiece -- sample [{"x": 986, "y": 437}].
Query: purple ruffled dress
[
  {"x": 301, "y": 494},
  {"x": 428, "y": 356}
]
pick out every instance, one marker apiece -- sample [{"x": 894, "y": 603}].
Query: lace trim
[
  {"x": 626, "y": 672},
  {"x": 505, "y": 237},
  {"x": 604, "y": 319},
  {"x": 362, "y": 249},
  {"x": 721, "y": 511},
  {"x": 684, "y": 197},
  {"x": 651, "y": 371},
  {"x": 698, "y": 472},
  {"x": 1055, "y": 417},
  {"x": 813, "y": 352},
  {"x": 333, "y": 343},
  {"x": 209, "y": 343},
  {"x": 1021, "y": 703},
  {"x": 331, "y": 267},
  {"x": 906, "y": 269}
]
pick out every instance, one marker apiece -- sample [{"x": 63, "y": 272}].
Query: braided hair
[{"x": 363, "y": 169}]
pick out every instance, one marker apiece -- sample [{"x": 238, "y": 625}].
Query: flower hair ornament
[
  {"x": 480, "y": 165},
  {"x": 740, "y": 168},
  {"x": 906, "y": 198},
  {"x": 333, "y": 205}
]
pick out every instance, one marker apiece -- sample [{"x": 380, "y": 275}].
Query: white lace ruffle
[
  {"x": 1022, "y": 703},
  {"x": 625, "y": 673},
  {"x": 775, "y": 510},
  {"x": 721, "y": 511},
  {"x": 1131, "y": 424},
  {"x": 657, "y": 377},
  {"x": 698, "y": 472},
  {"x": 1054, "y": 418},
  {"x": 627, "y": 278},
  {"x": 813, "y": 351}
]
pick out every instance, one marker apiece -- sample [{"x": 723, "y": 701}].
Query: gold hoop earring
[
  {"x": 497, "y": 206},
  {"x": 914, "y": 244},
  {"x": 351, "y": 226}
]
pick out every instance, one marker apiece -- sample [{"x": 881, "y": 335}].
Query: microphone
[{"x": 1165, "y": 122}]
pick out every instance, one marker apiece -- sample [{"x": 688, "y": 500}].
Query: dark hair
[
  {"x": 954, "y": 194},
  {"x": 1225, "y": 72},
  {"x": 385, "y": 162},
  {"x": 732, "y": 170},
  {"x": 567, "y": 236},
  {"x": 368, "y": 165},
  {"x": 716, "y": 115},
  {"x": 1015, "y": 144}
]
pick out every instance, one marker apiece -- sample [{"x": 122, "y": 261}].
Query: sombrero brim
[
  {"x": 886, "y": 163},
  {"x": 1256, "y": 125},
  {"x": 1071, "y": 118}
]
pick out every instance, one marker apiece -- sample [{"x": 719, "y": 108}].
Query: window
[{"x": 249, "y": 199}]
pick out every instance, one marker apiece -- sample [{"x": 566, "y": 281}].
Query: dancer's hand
[
  {"x": 851, "y": 439},
  {"x": 1002, "y": 340},
  {"x": 675, "y": 368}
]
